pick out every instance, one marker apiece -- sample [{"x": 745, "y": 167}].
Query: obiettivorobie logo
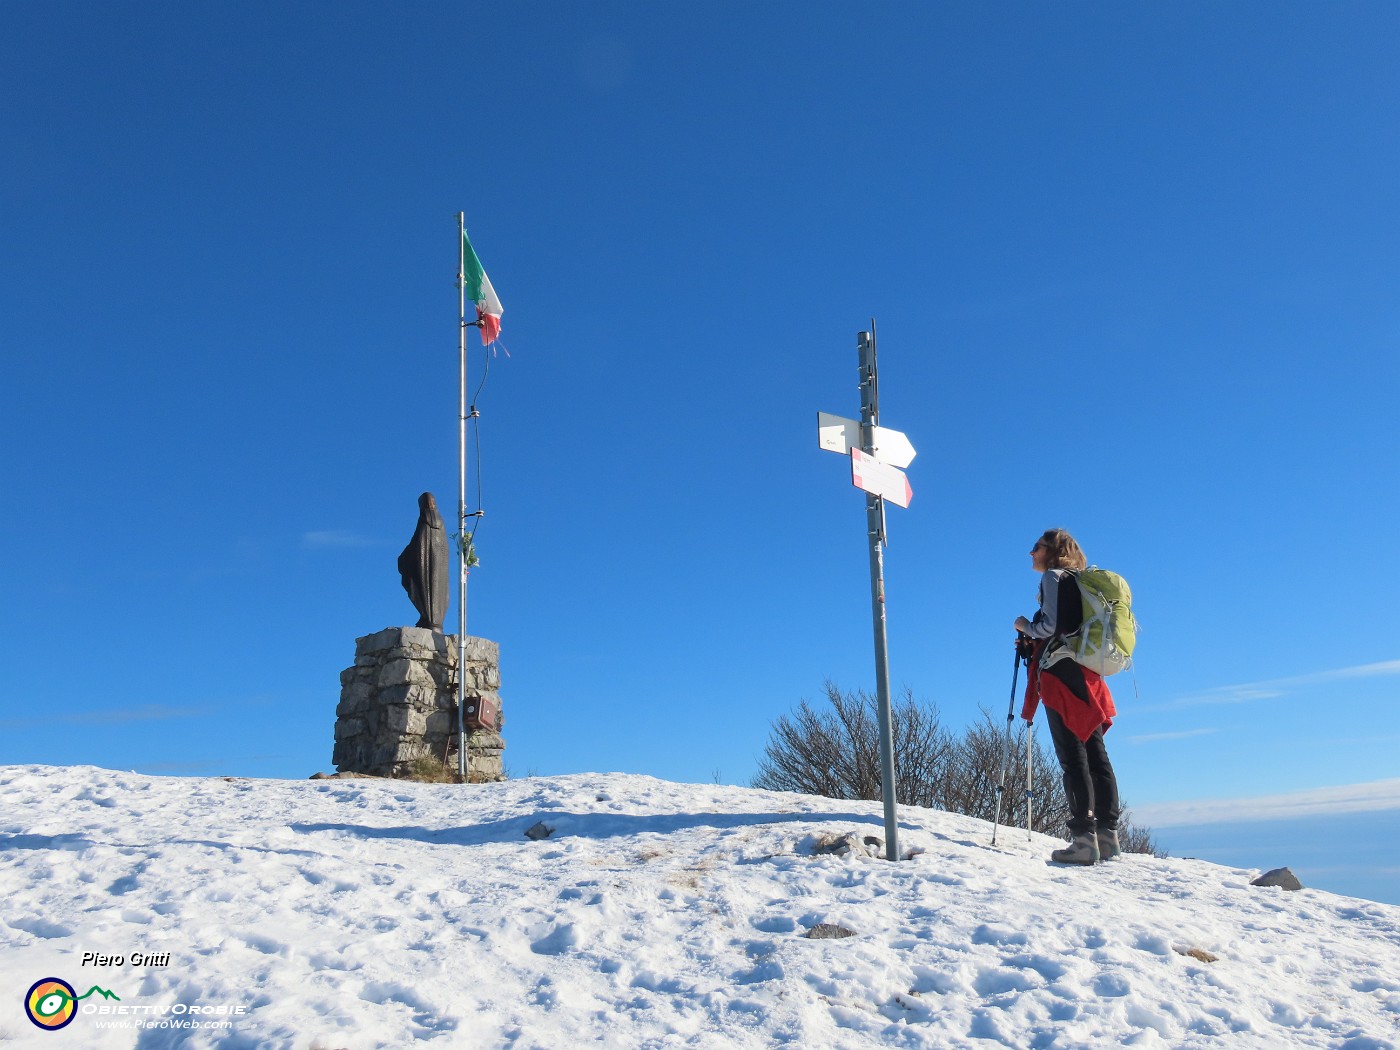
[{"x": 51, "y": 1003}]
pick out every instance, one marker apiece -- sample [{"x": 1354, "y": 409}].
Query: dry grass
[
  {"x": 1199, "y": 954},
  {"x": 429, "y": 769}
]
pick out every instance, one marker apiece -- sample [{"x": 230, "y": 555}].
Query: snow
[{"x": 371, "y": 913}]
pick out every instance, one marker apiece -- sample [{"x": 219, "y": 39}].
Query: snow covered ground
[{"x": 367, "y": 913}]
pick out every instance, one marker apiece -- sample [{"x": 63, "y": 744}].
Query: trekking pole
[
  {"x": 1006, "y": 751},
  {"x": 1030, "y": 732}
]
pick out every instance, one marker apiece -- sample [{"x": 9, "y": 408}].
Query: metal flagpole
[
  {"x": 462, "y": 499},
  {"x": 875, "y": 524}
]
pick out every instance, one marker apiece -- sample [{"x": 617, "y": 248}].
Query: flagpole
[{"x": 462, "y": 499}]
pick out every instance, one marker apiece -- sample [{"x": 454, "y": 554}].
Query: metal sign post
[
  {"x": 875, "y": 527},
  {"x": 462, "y": 499},
  {"x": 876, "y": 456}
]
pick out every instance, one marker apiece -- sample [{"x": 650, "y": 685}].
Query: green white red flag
[{"x": 479, "y": 291}]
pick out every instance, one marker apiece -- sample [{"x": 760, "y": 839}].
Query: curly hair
[{"x": 1061, "y": 550}]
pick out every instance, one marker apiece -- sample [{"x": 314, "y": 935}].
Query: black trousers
[{"x": 1090, "y": 785}]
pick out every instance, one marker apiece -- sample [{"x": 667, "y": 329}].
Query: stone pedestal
[{"x": 398, "y": 704}]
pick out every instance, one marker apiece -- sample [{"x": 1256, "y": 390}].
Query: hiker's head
[{"x": 1056, "y": 549}]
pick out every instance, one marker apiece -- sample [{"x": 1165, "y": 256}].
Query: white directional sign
[
  {"x": 880, "y": 479},
  {"x": 837, "y": 434},
  {"x": 893, "y": 448}
]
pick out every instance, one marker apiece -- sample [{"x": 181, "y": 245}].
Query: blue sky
[{"x": 1134, "y": 271}]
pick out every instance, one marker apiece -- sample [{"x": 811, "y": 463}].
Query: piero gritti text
[{"x": 134, "y": 959}]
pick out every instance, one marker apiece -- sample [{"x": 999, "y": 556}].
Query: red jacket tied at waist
[{"x": 1078, "y": 695}]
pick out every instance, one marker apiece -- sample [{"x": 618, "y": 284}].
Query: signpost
[
  {"x": 880, "y": 479},
  {"x": 876, "y": 455},
  {"x": 837, "y": 434}
]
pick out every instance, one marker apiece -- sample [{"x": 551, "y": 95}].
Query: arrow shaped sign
[
  {"x": 880, "y": 479},
  {"x": 838, "y": 434}
]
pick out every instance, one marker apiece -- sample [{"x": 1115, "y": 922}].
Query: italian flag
[{"x": 479, "y": 291}]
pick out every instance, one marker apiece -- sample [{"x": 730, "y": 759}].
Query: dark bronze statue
[{"x": 423, "y": 565}]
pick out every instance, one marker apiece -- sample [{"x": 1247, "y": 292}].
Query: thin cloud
[
  {"x": 1276, "y": 687},
  {"x": 1348, "y": 741},
  {"x": 1385, "y": 667},
  {"x": 1185, "y": 734},
  {"x": 1370, "y": 797},
  {"x": 335, "y": 539},
  {"x": 121, "y": 716}
]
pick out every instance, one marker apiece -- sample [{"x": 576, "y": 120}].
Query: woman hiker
[{"x": 1078, "y": 705}]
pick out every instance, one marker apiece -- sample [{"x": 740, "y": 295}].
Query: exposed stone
[
  {"x": 538, "y": 831},
  {"x": 1199, "y": 954},
  {"x": 398, "y": 704},
  {"x": 485, "y": 738},
  {"x": 419, "y": 695},
  {"x": 404, "y": 638},
  {"x": 828, "y": 931},
  {"x": 406, "y": 720},
  {"x": 404, "y": 672},
  {"x": 344, "y": 776},
  {"x": 354, "y": 698},
  {"x": 1281, "y": 877},
  {"x": 480, "y": 651},
  {"x": 847, "y": 844}
]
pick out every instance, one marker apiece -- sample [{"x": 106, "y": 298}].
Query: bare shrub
[
  {"x": 833, "y": 750},
  {"x": 978, "y": 761}
]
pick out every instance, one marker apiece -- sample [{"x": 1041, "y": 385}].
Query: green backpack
[{"x": 1105, "y": 641}]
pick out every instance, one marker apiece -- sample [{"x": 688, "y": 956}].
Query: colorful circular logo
[{"x": 51, "y": 1003}]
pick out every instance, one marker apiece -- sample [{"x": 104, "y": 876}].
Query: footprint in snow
[
  {"x": 562, "y": 938},
  {"x": 41, "y": 928},
  {"x": 992, "y": 934},
  {"x": 1111, "y": 985}
]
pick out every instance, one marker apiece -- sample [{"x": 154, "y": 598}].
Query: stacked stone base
[{"x": 398, "y": 705}]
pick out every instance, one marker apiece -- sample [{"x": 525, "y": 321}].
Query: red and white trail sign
[{"x": 880, "y": 479}]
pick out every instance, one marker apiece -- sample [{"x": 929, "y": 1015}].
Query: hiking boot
[
  {"x": 1082, "y": 849},
  {"x": 1108, "y": 844}
]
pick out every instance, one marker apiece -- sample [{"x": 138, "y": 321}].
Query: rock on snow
[{"x": 368, "y": 913}]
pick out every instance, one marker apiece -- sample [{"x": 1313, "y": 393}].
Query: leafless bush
[
  {"x": 979, "y": 759},
  {"x": 834, "y": 751}
]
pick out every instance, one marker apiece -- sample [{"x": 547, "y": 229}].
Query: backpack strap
[
  {"x": 1069, "y": 614},
  {"x": 1069, "y": 618}
]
